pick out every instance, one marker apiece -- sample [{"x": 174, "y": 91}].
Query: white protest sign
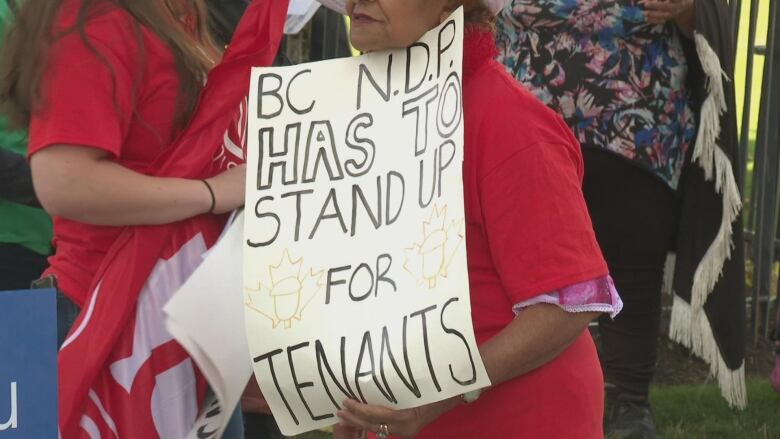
[
  {"x": 355, "y": 273},
  {"x": 206, "y": 316}
]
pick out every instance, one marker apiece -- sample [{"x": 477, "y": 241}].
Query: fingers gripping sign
[
  {"x": 381, "y": 420},
  {"x": 385, "y": 421}
]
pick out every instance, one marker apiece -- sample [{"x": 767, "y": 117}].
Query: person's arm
[
  {"x": 538, "y": 335},
  {"x": 15, "y": 179},
  {"x": 533, "y": 339},
  {"x": 682, "y": 12},
  {"x": 83, "y": 184}
]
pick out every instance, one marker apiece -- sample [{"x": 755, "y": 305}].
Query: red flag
[{"x": 121, "y": 374}]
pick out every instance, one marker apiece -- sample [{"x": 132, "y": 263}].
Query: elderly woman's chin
[
  {"x": 367, "y": 44},
  {"x": 365, "y": 40},
  {"x": 361, "y": 44}
]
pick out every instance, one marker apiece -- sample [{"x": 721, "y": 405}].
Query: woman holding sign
[{"x": 537, "y": 274}]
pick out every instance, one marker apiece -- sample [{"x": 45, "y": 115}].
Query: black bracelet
[{"x": 213, "y": 198}]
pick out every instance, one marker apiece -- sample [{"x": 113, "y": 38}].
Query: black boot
[{"x": 628, "y": 417}]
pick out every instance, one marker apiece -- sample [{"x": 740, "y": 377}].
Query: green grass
[{"x": 700, "y": 412}]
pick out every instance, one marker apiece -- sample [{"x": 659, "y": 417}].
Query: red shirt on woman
[
  {"x": 528, "y": 233},
  {"x": 121, "y": 101}
]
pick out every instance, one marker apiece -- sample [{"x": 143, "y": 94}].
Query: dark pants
[
  {"x": 67, "y": 313},
  {"x": 261, "y": 426},
  {"x": 19, "y": 266},
  {"x": 635, "y": 217}
]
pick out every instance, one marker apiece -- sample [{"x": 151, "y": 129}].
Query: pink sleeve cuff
[{"x": 597, "y": 295}]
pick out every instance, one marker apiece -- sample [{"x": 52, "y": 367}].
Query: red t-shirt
[
  {"x": 528, "y": 232},
  {"x": 122, "y": 102}
]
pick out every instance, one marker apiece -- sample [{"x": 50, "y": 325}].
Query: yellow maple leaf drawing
[
  {"x": 288, "y": 291},
  {"x": 429, "y": 260}
]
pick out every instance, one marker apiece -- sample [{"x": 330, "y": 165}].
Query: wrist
[
  {"x": 211, "y": 199},
  {"x": 449, "y": 404},
  {"x": 437, "y": 409}
]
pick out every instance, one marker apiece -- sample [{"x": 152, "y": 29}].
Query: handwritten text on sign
[{"x": 354, "y": 262}]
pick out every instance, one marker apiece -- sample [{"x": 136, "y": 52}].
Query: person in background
[
  {"x": 105, "y": 87},
  {"x": 626, "y": 77},
  {"x": 25, "y": 229},
  {"x": 537, "y": 277}
]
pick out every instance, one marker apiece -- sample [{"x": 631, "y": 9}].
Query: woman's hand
[
  {"x": 357, "y": 417},
  {"x": 661, "y": 11},
  {"x": 679, "y": 11},
  {"x": 229, "y": 189}
]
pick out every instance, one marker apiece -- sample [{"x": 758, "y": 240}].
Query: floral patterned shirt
[{"x": 618, "y": 81}]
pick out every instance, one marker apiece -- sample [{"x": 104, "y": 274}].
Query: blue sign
[{"x": 28, "y": 364}]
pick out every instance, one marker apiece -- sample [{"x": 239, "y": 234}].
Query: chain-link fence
[{"x": 760, "y": 159}]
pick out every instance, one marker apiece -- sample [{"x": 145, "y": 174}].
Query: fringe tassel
[
  {"x": 712, "y": 108},
  {"x": 717, "y": 166},
  {"x": 693, "y": 331},
  {"x": 689, "y": 323}
]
